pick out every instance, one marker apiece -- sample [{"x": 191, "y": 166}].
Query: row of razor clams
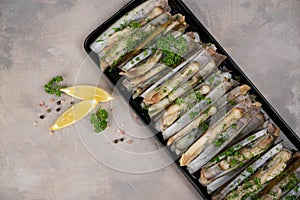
[{"x": 208, "y": 118}]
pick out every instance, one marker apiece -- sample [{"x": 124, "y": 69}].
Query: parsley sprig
[
  {"x": 52, "y": 86},
  {"x": 99, "y": 120}
]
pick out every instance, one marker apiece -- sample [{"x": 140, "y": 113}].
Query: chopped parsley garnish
[
  {"x": 52, "y": 86},
  {"x": 167, "y": 43},
  {"x": 205, "y": 126},
  {"x": 232, "y": 102},
  {"x": 99, "y": 40},
  {"x": 250, "y": 170},
  {"x": 251, "y": 138},
  {"x": 99, "y": 120},
  {"x": 132, "y": 24},
  {"x": 293, "y": 180},
  {"x": 220, "y": 140},
  {"x": 208, "y": 100},
  {"x": 179, "y": 101},
  {"x": 237, "y": 77},
  {"x": 233, "y": 126},
  {"x": 199, "y": 96},
  {"x": 193, "y": 115},
  {"x": 211, "y": 80}
]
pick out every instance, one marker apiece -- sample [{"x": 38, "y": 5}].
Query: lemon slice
[
  {"x": 87, "y": 92},
  {"x": 74, "y": 114}
]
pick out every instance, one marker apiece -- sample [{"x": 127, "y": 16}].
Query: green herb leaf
[
  {"x": 179, "y": 101},
  {"x": 99, "y": 120},
  {"x": 52, "y": 86}
]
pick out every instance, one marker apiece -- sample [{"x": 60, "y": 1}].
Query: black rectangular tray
[{"x": 290, "y": 138}]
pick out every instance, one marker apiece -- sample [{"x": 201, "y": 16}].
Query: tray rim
[{"x": 274, "y": 115}]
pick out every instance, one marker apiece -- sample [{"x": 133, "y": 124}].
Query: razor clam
[
  {"x": 174, "y": 111},
  {"x": 138, "y": 13},
  {"x": 253, "y": 126},
  {"x": 268, "y": 172},
  {"x": 198, "y": 108},
  {"x": 162, "y": 91},
  {"x": 141, "y": 79},
  {"x": 113, "y": 43},
  {"x": 180, "y": 143},
  {"x": 202, "y": 89},
  {"x": 222, "y": 140},
  {"x": 186, "y": 86},
  {"x": 241, "y": 157},
  {"x": 214, "y": 117},
  {"x": 173, "y": 71},
  {"x": 284, "y": 182},
  {"x": 293, "y": 194},
  {"x": 211, "y": 134},
  {"x": 137, "y": 72},
  {"x": 146, "y": 53},
  {"x": 141, "y": 88},
  {"x": 214, "y": 185},
  {"x": 143, "y": 68},
  {"x": 193, "y": 125},
  {"x": 176, "y": 21},
  {"x": 283, "y": 187},
  {"x": 195, "y": 36},
  {"x": 128, "y": 30},
  {"x": 155, "y": 109},
  {"x": 184, "y": 142},
  {"x": 125, "y": 49},
  {"x": 247, "y": 172}
]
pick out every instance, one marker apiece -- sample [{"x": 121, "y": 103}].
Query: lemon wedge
[
  {"x": 74, "y": 114},
  {"x": 87, "y": 92}
]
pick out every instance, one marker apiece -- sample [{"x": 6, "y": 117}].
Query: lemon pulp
[
  {"x": 74, "y": 114},
  {"x": 87, "y": 92}
]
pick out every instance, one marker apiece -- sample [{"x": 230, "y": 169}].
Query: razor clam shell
[
  {"x": 277, "y": 191},
  {"x": 266, "y": 173},
  {"x": 145, "y": 67},
  {"x": 119, "y": 49},
  {"x": 212, "y": 150},
  {"x": 240, "y": 144},
  {"x": 221, "y": 111},
  {"x": 134, "y": 14},
  {"x": 293, "y": 194},
  {"x": 137, "y": 59},
  {"x": 293, "y": 169},
  {"x": 173, "y": 71},
  {"x": 210, "y": 82},
  {"x": 195, "y": 36},
  {"x": 179, "y": 78},
  {"x": 141, "y": 88},
  {"x": 252, "y": 126},
  {"x": 203, "y": 89},
  {"x": 215, "y": 184},
  {"x": 211, "y": 134},
  {"x": 193, "y": 125},
  {"x": 155, "y": 109},
  {"x": 223, "y": 167},
  {"x": 245, "y": 174},
  {"x": 141, "y": 79},
  {"x": 223, "y": 102},
  {"x": 187, "y": 142},
  {"x": 140, "y": 57},
  {"x": 214, "y": 95}
]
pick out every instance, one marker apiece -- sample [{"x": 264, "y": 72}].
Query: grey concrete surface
[{"x": 40, "y": 39}]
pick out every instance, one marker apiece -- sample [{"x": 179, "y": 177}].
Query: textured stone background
[{"x": 40, "y": 39}]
